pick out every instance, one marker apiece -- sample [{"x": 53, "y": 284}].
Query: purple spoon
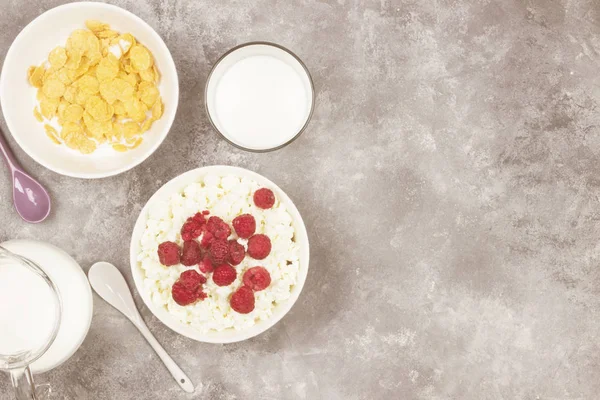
[{"x": 32, "y": 201}]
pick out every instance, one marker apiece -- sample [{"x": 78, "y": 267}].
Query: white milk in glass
[
  {"x": 27, "y": 310},
  {"x": 261, "y": 102}
]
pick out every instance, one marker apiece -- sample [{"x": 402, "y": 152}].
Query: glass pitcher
[{"x": 30, "y": 311}]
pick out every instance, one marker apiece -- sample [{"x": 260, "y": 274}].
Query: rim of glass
[
  {"x": 21, "y": 360},
  {"x": 312, "y": 90}
]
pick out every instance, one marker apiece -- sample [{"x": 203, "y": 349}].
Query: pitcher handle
[{"x": 22, "y": 381}]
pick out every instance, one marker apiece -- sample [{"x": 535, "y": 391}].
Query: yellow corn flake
[
  {"x": 130, "y": 130},
  {"x": 73, "y": 58},
  {"x": 141, "y": 59},
  {"x": 30, "y": 71},
  {"x": 62, "y": 106},
  {"x": 64, "y": 75},
  {"x": 48, "y": 107},
  {"x": 82, "y": 69},
  {"x": 78, "y": 41},
  {"x": 107, "y": 68},
  {"x": 119, "y": 147},
  {"x": 53, "y": 88},
  {"x": 156, "y": 74},
  {"x": 81, "y": 98},
  {"x": 108, "y": 91},
  {"x": 73, "y": 113},
  {"x": 148, "y": 94},
  {"x": 157, "y": 109},
  {"x": 107, "y": 34},
  {"x": 85, "y": 145},
  {"x": 96, "y": 26},
  {"x": 136, "y": 110},
  {"x": 129, "y": 78},
  {"x": 52, "y": 134},
  {"x": 37, "y": 76},
  {"x": 37, "y": 115},
  {"x": 70, "y": 94},
  {"x": 88, "y": 84},
  {"x": 135, "y": 143},
  {"x": 119, "y": 107},
  {"x": 99, "y": 109},
  {"x": 147, "y": 75},
  {"x": 95, "y": 128},
  {"x": 126, "y": 41},
  {"x": 57, "y": 57},
  {"x": 146, "y": 125}
]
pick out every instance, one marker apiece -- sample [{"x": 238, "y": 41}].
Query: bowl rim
[
  {"x": 312, "y": 91},
  {"x": 134, "y": 162},
  {"x": 213, "y": 337}
]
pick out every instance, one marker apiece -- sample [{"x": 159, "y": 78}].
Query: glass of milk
[
  {"x": 259, "y": 96},
  {"x": 30, "y": 311}
]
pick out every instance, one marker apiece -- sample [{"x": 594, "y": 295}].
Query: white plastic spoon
[{"x": 108, "y": 282}]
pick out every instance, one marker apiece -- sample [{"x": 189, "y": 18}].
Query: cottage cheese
[{"x": 226, "y": 197}]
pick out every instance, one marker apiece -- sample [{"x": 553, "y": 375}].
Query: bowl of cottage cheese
[{"x": 220, "y": 312}]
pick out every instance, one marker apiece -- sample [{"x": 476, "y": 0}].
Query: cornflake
[{"x": 102, "y": 87}]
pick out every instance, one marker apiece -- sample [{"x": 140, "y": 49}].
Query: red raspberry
[
  {"x": 236, "y": 252},
  {"x": 191, "y": 254},
  {"x": 206, "y": 265},
  {"x": 257, "y": 278},
  {"x": 218, "y": 228},
  {"x": 192, "y": 229},
  {"x": 184, "y": 295},
  {"x": 244, "y": 225},
  {"x": 242, "y": 300},
  {"x": 200, "y": 217},
  {"x": 259, "y": 246},
  {"x": 191, "y": 279},
  {"x": 168, "y": 253},
  {"x": 224, "y": 275},
  {"x": 264, "y": 198},
  {"x": 207, "y": 239},
  {"x": 219, "y": 251}
]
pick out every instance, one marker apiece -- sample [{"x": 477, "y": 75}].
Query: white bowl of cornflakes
[{"x": 89, "y": 90}]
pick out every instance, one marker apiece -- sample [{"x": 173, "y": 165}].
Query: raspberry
[
  {"x": 200, "y": 217},
  {"x": 219, "y": 251},
  {"x": 224, "y": 275},
  {"x": 191, "y": 254},
  {"x": 259, "y": 247},
  {"x": 184, "y": 295},
  {"x": 206, "y": 265},
  {"x": 257, "y": 278},
  {"x": 244, "y": 225},
  {"x": 218, "y": 228},
  {"x": 168, "y": 253},
  {"x": 236, "y": 252},
  {"x": 264, "y": 198},
  {"x": 207, "y": 239},
  {"x": 192, "y": 229},
  {"x": 242, "y": 300},
  {"x": 191, "y": 279}
]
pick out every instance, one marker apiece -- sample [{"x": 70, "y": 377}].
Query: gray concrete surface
[{"x": 450, "y": 182}]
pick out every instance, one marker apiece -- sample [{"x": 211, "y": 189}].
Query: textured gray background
[{"x": 450, "y": 182}]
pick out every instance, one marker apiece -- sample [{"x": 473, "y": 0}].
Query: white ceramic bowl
[
  {"x": 17, "y": 96},
  {"x": 177, "y": 185}
]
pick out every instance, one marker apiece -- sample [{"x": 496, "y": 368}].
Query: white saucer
[{"x": 75, "y": 293}]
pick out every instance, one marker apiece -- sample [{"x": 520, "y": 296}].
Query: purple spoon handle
[{"x": 11, "y": 161}]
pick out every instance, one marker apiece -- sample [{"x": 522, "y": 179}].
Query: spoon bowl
[{"x": 31, "y": 200}]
